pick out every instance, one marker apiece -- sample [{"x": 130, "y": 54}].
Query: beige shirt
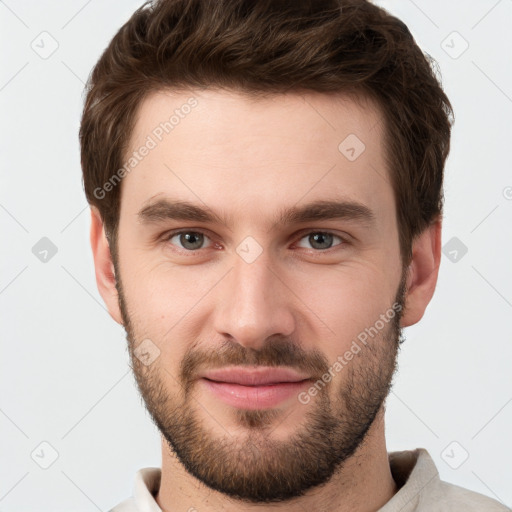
[{"x": 414, "y": 471}]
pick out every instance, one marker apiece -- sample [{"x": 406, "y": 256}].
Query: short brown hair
[{"x": 273, "y": 46}]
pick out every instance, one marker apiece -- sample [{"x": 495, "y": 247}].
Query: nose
[{"x": 254, "y": 303}]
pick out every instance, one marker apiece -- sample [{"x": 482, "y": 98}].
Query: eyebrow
[{"x": 165, "y": 209}]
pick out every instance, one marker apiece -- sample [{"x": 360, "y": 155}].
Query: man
[{"x": 265, "y": 181}]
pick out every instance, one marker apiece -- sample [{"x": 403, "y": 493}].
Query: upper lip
[{"x": 258, "y": 376}]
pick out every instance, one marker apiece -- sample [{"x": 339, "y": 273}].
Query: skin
[{"x": 214, "y": 308}]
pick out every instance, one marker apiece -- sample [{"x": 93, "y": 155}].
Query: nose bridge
[
  {"x": 253, "y": 283},
  {"x": 254, "y": 304}
]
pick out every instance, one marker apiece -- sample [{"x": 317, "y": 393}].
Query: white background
[{"x": 64, "y": 373}]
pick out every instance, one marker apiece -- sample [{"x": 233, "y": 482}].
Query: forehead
[{"x": 233, "y": 151}]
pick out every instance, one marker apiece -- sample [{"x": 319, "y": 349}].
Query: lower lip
[{"x": 254, "y": 397}]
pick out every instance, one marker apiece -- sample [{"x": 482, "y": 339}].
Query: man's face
[{"x": 252, "y": 288}]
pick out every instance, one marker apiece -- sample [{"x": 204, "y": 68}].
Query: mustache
[{"x": 276, "y": 352}]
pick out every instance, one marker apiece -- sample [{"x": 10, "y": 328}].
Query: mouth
[{"x": 256, "y": 388}]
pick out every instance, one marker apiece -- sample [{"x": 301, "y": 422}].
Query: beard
[{"x": 252, "y": 466}]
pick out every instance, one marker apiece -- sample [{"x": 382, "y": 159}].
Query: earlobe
[
  {"x": 422, "y": 273},
  {"x": 104, "y": 267}
]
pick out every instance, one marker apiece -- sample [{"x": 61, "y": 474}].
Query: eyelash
[{"x": 344, "y": 241}]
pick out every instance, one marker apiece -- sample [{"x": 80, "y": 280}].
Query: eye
[
  {"x": 322, "y": 240},
  {"x": 193, "y": 241},
  {"x": 189, "y": 240}
]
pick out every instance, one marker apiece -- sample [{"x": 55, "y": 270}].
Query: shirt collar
[
  {"x": 145, "y": 488},
  {"x": 412, "y": 470}
]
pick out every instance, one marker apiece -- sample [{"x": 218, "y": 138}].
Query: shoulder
[
  {"x": 420, "y": 488},
  {"x": 450, "y": 497}
]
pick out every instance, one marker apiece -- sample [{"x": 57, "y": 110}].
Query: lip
[
  {"x": 260, "y": 388},
  {"x": 259, "y": 376}
]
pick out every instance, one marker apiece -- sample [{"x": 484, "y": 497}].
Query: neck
[{"x": 363, "y": 484}]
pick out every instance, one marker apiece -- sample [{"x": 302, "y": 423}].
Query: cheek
[
  {"x": 164, "y": 300},
  {"x": 343, "y": 302}
]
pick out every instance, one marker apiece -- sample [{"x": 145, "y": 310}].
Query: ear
[
  {"x": 104, "y": 267},
  {"x": 422, "y": 273}
]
